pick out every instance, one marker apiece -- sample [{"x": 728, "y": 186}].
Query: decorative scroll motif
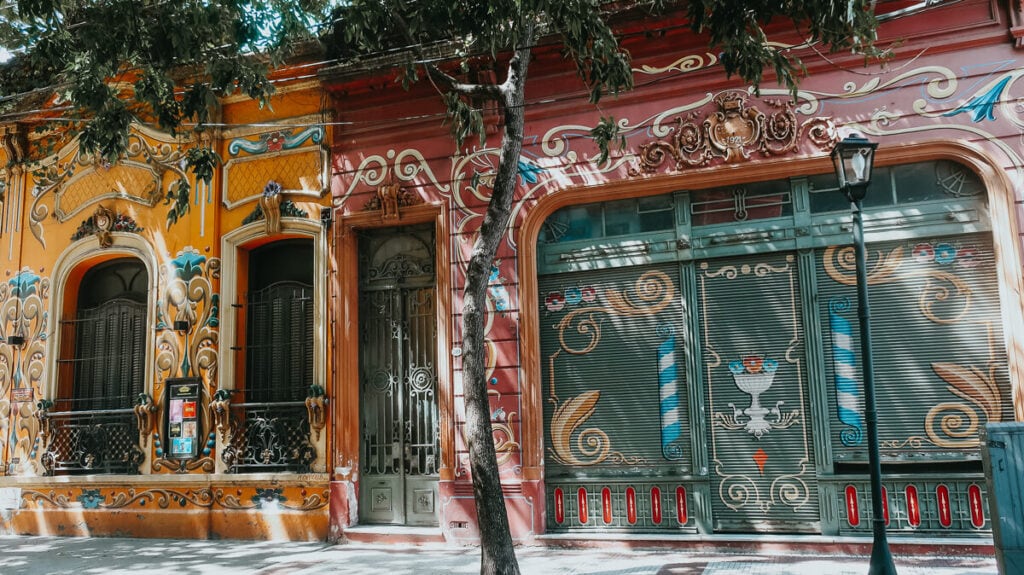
[
  {"x": 78, "y": 179},
  {"x": 687, "y": 63},
  {"x": 753, "y": 375},
  {"x": 276, "y": 141},
  {"x": 952, "y": 425},
  {"x": 974, "y": 386},
  {"x": 408, "y": 165},
  {"x": 848, "y": 389},
  {"x": 269, "y": 437},
  {"x": 840, "y": 264},
  {"x": 668, "y": 387},
  {"x": 204, "y": 498},
  {"x": 102, "y": 223},
  {"x": 188, "y": 296},
  {"x": 390, "y": 197},
  {"x": 23, "y": 303},
  {"x": 652, "y": 292},
  {"x": 732, "y": 133},
  {"x": 501, "y": 427},
  {"x": 99, "y": 441},
  {"x": 738, "y": 490}
]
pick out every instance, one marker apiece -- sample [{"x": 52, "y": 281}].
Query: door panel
[
  {"x": 761, "y": 456},
  {"x": 398, "y": 378}
]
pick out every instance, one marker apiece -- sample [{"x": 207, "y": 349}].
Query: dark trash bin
[{"x": 1002, "y": 451}]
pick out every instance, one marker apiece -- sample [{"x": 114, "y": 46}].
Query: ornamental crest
[{"x": 733, "y": 133}]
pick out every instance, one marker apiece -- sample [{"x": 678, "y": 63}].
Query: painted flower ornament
[
  {"x": 573, "y": 295},
  {"x": 555, "y": 301},
  {"x": 923, "y": 252},
  {"x": 753, "y": 364},
  {"x": 588, "y": 293},
  {"x": 945, "y": 254}
]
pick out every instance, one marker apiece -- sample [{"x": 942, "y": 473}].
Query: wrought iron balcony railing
[
  {"x": 96, "y": 441},
  {"x": 270, "y": 437}
]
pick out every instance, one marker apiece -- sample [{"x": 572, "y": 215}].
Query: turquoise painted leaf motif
[
  {"x": 316, "y": 133},
  {"x": 982, "y": 105},
  {"x": 91, "y": 498},
  {"x": 528, "y": 171},
  {"x": 23, "y": 284},
  {"x": 188, "y": 265},
  {"x": 214, "y": 320}
]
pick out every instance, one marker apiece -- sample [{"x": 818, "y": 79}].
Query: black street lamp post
[{"x": 853, "y": 158}]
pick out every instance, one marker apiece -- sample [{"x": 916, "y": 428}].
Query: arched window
[
  {"x": 102, "y": 372},
  {"x": 105, "y": 340}
]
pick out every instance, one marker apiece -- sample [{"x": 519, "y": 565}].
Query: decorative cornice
[{"x": 733, "y": 132}]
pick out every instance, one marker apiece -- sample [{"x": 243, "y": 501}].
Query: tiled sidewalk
[{"x": 95, "y": 556}]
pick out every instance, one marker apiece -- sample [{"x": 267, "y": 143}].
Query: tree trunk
[{"x": 497, "y": 554}]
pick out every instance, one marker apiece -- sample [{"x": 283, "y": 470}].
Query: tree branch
[{"x": 448, "y": 81}]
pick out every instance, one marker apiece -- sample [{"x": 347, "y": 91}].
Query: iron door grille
[
  {"x": 614, "y": 382},
  {"x": 938, "y": 348},
  {"x": 761, "y": 456}
]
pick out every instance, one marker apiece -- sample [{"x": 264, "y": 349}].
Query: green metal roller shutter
[
  {"x": 612, "y": 351},
  {"x": 761, "y": 446},
  {"x": 940, "y": 365}
]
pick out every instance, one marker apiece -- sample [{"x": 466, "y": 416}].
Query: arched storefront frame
[{"x": 1004, "y": 230}]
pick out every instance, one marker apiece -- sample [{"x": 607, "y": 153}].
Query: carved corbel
[
  {"x": 14, "y": 142},
  {"x": 389, "y": 199},
  {"x": 1017, "y": 23},
  {"x": 270, "y": 203},
  {"x": 316, "y": 406},
  {"x": 104, "y": 219},
  {"x": 42, "y": 414}
]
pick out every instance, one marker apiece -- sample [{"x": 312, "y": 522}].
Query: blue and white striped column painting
[
  {"x": 668, "y": 385},
  {"x": 848, "y": 388}
]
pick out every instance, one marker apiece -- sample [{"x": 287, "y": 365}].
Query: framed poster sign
[{"x": 183, "y": 422}]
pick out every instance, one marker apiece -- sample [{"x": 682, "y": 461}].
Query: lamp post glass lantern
[{"x": 854, "y": 158}]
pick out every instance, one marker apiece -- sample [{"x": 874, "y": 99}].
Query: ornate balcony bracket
[
  {"x": 316, "y": 405},
  {"x": 145, "y": 416},
  {"x": 220, "y": 413},
  {"x": 42, "y": 414}
]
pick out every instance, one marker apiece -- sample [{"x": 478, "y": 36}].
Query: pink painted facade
[{"x": 949, "y": 93}]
